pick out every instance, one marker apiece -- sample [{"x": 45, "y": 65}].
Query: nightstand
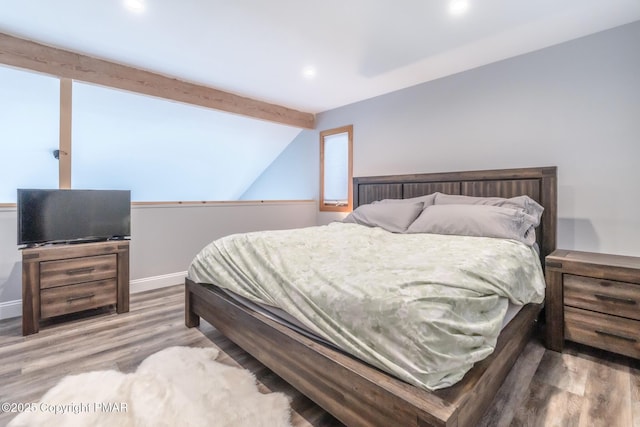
[
  {"x": 63, "y": 279},
  {"x": 593, "y": 299}
]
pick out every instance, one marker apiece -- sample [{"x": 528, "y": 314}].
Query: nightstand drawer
[
  {"x": 71, "y": 271},
  {"x": 611, "y": 333},
  {"x": 604, "y": 296},
  {"x": 70, "y": 299}
]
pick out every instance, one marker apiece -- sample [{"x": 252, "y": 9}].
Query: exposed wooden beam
[
  {"x": 64, "y": 154},
  {"x": 34, "y": 56}
]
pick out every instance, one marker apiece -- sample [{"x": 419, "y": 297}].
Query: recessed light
[
  {"x": 135, "y": 5},
  {"x": 309, "y": 72},
  {"x": 458, "y": 7}
]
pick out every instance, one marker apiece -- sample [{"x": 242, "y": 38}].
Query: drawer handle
[
  {"x": 622, "y": 337},
  {"x": 72, "y": 299},
  {"x": 615, "y": 299},
  {"x": 80, "y": 270}
]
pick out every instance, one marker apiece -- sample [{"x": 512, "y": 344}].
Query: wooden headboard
[{"x": 538, "y": 183}]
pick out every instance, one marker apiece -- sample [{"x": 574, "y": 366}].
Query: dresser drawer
[
  {"x": 607, "y": 332},
  {"x": 71, "y": 271},
  {"x": 83, "y": 296},
  {"x": 604, "y": 296}
]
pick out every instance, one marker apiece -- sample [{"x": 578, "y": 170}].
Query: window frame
[{"x": 348, "y": 207}]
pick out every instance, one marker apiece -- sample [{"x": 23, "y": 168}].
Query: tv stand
[{"x": 68, "y": 278}]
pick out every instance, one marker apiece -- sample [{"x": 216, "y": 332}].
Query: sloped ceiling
[
  {"x": 358, "y": 48},
  {"x": 309, "y": 56}
]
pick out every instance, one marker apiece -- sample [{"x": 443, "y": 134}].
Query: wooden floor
[{"x": 581, "y": 387}]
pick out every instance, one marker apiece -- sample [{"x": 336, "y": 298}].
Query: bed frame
[{"x": 354, "y": 392}]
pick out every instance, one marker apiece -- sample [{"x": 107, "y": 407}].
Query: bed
[{"x": 357, "y": 393}]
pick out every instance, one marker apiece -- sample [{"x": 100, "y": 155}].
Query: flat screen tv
[{"x": 72, "y": 216}]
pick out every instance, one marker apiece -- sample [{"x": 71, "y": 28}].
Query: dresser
[
  {"x": 593, "y": 299},
  {"x": 64, "y": 279}
]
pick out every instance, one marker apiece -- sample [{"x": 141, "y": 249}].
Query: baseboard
[
  {"x": 9, "y": 309},
  {"x": 156, "y": 282}
]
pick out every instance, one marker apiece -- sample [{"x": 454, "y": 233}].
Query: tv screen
[{"x": 51, "y": 216}]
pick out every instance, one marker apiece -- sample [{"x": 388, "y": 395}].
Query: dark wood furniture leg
[
  {"x": 30, "y": 295},
  {"x": 122, "y": 306},
  {"x": 554, "y": 310},
  {"x": 191, "y": 319}
]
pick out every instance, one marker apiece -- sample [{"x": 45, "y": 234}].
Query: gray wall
[
  {"x": 164, "y": 240},
  {"x": 574, "y": 105}
]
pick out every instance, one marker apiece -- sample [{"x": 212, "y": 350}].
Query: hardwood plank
[
  {"x": 607, "y": 400},
  {"x": 635, "y": 394},
  {"x": 515, "y": 388},
  {"x": 565, "y": 371},
  {"x": 548, "y": 406},
  {"x": 29, "y": 55},
  {"x": 537, "y": 392}
]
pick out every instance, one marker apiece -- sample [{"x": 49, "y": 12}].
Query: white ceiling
[{"x": 259, "y": 48}]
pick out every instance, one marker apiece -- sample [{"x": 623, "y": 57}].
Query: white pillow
[{"x": 426, "y": 200}]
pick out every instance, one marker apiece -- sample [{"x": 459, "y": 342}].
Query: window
[
  {"x": 167, "y": 151},
  {"x": 29, "y": 128},
  {"x": 61, "y": 133},
  {"x": 336, "y": 151}
]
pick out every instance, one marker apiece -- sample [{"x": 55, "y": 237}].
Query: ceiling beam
[{"x": 30, "y": 55}]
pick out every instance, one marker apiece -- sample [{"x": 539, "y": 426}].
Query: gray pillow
[
  {"x": 393, "y": 217},
  {"x": 530, "y": 206},
  {"x": 426, "y": 200},
  {"x": 477, "y": 220}
]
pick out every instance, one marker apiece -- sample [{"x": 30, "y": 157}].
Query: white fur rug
[{"x": 178, "y": 386}]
